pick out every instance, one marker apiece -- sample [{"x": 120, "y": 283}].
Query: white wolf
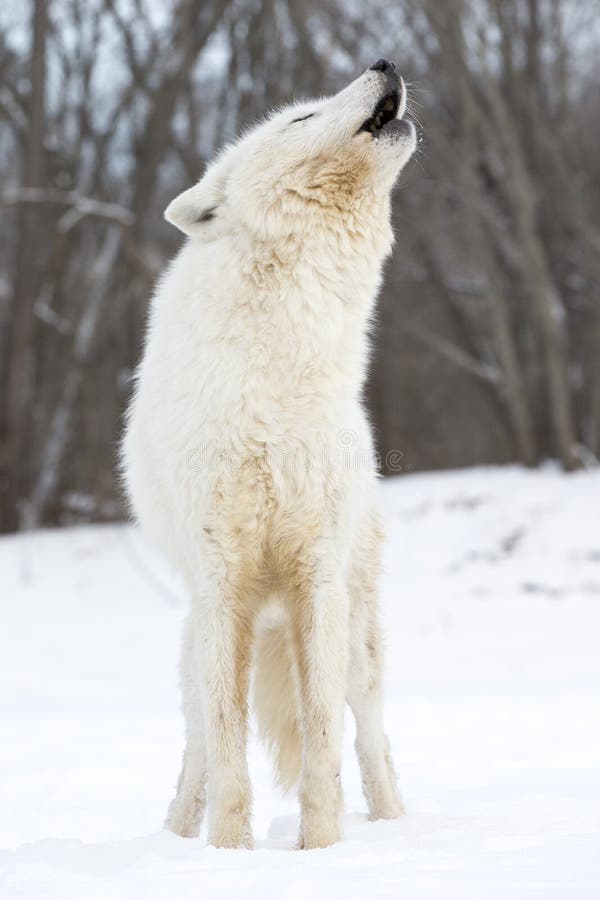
[{"x": 245, "y": 454}]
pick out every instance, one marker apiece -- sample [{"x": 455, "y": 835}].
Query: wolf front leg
[
  {"x": 185, "y": 813},
  {"x": 223, "y": 639},
  {"x": 320, "y": 628}
]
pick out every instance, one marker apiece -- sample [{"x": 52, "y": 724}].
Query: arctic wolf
[{"x": 247, "y": 455}]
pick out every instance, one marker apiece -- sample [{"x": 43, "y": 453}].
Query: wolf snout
[
  {"x": 385, "y": 66},
  {"x": 389, "y": 71}
]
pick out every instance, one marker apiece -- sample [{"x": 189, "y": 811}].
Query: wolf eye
[
  {"x": 207, "y": 214},
  {"x": 302, "y": 118}
]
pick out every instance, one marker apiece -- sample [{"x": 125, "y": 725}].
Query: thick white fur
[{"x": 247, "y": 458}]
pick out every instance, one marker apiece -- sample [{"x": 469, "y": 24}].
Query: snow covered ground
[{"x": 492, "y": 610}]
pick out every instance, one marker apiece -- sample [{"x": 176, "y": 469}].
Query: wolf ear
[{"x": 194, "y": 210}]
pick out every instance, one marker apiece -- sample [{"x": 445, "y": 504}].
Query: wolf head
[{"x": 338, "y": 155}]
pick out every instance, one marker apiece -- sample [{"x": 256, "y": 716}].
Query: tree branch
[
  {"x": 79, "y": 206},
  {"x": 455, "y": 354}
]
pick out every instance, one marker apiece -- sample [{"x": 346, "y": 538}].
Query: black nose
[{"x": 384, "y": 65}]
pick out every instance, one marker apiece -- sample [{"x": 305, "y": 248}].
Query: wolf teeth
[{"x": 386, "y": 111}]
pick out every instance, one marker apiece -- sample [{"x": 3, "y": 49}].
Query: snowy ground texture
[{"x": 491, "y": 602}]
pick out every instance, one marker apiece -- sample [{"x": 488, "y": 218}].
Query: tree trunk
[{"x": 20, "y": 372}]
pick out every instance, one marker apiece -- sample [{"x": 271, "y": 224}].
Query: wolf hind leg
[
  {"x": 186, "y": 810},
  {"x": 365, "y": 685}
]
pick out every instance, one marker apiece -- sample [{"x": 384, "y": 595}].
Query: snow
[{"x": 491, "y": 600}]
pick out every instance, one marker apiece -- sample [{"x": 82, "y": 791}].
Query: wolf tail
[{"x": 276, "y": 700}]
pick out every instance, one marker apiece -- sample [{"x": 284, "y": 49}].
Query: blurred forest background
[{"x": 488, "y": 343}]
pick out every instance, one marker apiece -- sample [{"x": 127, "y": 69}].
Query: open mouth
[{"x": 385, "y": 111}]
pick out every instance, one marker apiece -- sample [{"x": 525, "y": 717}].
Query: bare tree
[
  {"x": 20, "y": 374},
  {"x": 488, "y": 348}
]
